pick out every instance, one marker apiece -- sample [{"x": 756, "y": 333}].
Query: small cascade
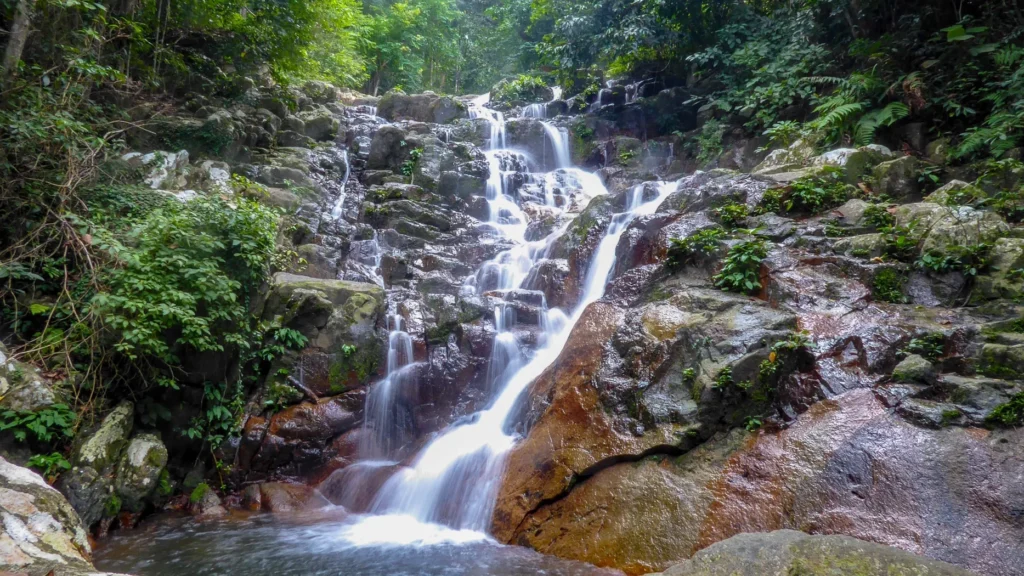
[
  {"x": 559, "y": 138},
  {"x": 383, "y": 433},
  {"x": 339, "y": 205},
  {"x": 539, "y": 111}
]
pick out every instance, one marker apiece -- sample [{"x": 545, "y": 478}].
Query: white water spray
[{"x": 451, "y": 486}]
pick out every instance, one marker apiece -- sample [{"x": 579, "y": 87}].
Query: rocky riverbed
[{"x": 674, "y": 416}]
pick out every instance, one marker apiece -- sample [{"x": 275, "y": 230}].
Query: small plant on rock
[
  {"x": 49, "y": 465},
  {"x": 928, "y": 346},
  {"x": 731, "y": 214},
  {"x": 741, "y": 268},
  {"x": 878, "y": 216},
  {"x": 694, "y": 247},
  {"x": 887, "y": 286}
]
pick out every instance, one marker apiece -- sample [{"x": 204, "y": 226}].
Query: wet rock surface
[{"x": 789, "y": 552}]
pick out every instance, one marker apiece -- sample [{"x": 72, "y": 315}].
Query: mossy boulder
[
  {"x": 898, "y": 179},
  {"x": 796, "y": 553},
  {"x": 943, "y": 226},
  {"x": 139, "y": 470},
  {"x": 89, "y": 483},
  {"x": 955, "y": 192},
  {"x": 1002, "y": 361},
  {"x": 914, "y": 368},
  {"x": 1005, "y": 278}
]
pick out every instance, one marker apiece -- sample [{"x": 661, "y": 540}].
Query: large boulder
[
  {"x": 848, "y": 466},
  {"x": 898, "y": 179},
  {"x": 41, "y": 532},
  {"x": 22, "y": 387},
  {"x": 139, "y": 472},
  {"x": 425, "y": 107},
  {"x": 791, "y": 552},
  {"x": 89, "y": 484},
  {"x": 942, "y": 226}
]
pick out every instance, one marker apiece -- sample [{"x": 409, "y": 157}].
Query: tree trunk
[{"x": 19, "y": 33}]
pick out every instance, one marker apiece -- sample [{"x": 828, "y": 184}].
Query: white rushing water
[
  {"x": 449, "y": 489},
  {"x": 339, "y": 205}
]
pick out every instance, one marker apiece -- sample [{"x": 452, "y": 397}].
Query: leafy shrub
[
  {"x": 51, "y": 424},
  {"x": 521, "y": 89},
  {"x": 887, "y": 286},
  {"x": 694, "y": 247},
  {"x": 49, "y": 465},
  {"x": 901, "y": 242},
  {"x": 969, "y": 260},
  {"x": 741, "y": 268},
  {"x": 731, "y": 214},
  {"x": 782, "y": 134},
  {"x": 813, "y": 195},
  {"x": 1009, "y": 414},
  {"x": 878, "y": 216},
  {"x": 928, "y": 346},
  {"x": 709, "y": 142},
  {"x": 187, "y": 275}
]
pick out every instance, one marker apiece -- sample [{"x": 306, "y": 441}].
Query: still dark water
[{"x": 311, "y": 545}]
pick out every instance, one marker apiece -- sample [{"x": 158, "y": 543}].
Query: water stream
[
  {"x": 452, "y": 483},
  {"x": 433, "y": 512}
]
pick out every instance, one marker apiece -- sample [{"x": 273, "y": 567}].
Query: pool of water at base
[{"x": 313, "y": 544}]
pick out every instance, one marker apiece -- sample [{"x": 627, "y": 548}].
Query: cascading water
[
  {"x": 450, "y": 487},
  {"x": 382, "y": 432},
  {"x": 559, "y": 138},
  {"x": 339, "y": 205}
]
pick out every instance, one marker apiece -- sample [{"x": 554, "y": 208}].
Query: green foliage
[
  {"x": 814, "y": 195},
  {"x": 198, "y": 493},
  {"x": 762, "y": 62},
  {"x": 724, "y": 378},
  {"x": 731, "y": 214},
  {"x": 112, "y": 506},
  {"x": 709, "y": 142},
  {"x": 741, "y": 269},
  {"x": 520, "y": 90},
  {"x": 186, "y": 271},
  {"x": 887, "y": 286},
  {"x": 878, "y": 216},
  {"x": 1009, "y": 414},
  {"x": 928, "y": 346},
  {"x": 970, "y": 260},
  {"x": 751, "y": 424},
  {"x": 409, "y": 166},
  {"x": 901, "y": 242},
  {"x": 49, "y": 465},
  {"x": 52, "y": 424},
  {"x": 694, "y": 247},
  {"x": 782, "y": 134}
]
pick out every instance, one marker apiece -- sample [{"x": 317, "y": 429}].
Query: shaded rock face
[
  {"x": 791, "y": 552},
  {"x": 41, "y": 533},
  {"x": 22, "y": 387}
]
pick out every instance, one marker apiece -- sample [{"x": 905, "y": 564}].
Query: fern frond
[
  {"x": 893, "y": 113},
  {"x": 839, "y": 114}
]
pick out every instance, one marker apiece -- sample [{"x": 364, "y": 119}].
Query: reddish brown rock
[{"x": 848, "y": 466}]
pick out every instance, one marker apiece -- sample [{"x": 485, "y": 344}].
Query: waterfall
[
  {"x": 451, "y": 486},
  {"x": 559, "y": 138},
  {"x": 339, "y": 205},
  {"x": 536, "y": 111},
  {"x": 382, "y": 432}
]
